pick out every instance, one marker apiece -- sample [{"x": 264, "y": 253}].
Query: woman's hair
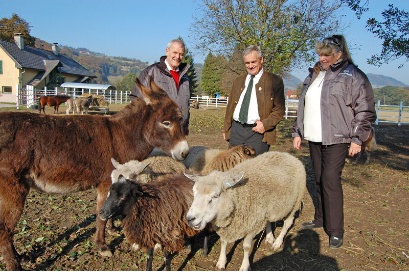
[
  {"x": 333, "y": 45},
  {"x": 252, "y": 48}
]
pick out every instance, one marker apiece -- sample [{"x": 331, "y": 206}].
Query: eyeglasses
[{"x": 333, "y": 41}]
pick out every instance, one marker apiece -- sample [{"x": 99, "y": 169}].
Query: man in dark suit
[{"x": 256, "y": 105}]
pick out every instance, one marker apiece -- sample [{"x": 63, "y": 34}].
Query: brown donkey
[{"x": 35, "y": 153}]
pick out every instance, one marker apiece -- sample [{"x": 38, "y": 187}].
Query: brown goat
[{"x": 35, "y": 153}]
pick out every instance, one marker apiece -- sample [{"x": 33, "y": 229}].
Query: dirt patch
[{"x": 56, "y": 232}]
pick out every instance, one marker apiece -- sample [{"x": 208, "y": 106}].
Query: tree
[
  {"x": 211, "y": 80},
  {"x": 233, "y": 68},
  {"x": 126, "y": 83},
  {"x": 15, "y": 24},
  {"x": 285, "y": 30},
  {"x": 393, "y": 30}
]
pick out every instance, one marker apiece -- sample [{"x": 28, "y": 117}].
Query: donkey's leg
[
  {"x": 12, "y": 199},
  {"x": 102, "y": 191}
]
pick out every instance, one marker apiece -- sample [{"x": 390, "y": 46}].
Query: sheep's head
[
  {"x": 119, "y": 196},
  {"x": 130, "y": 170},
  {"x": 209, "y": 202}
]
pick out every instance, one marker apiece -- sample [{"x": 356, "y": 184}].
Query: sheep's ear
[
  {"x": 141, "y": 166},
  {"x": 233, "y": 180},
  {"x": 190, "y": 175},
  {"x": 115, "y": 163}
]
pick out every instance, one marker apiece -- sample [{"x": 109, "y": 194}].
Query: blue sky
[{"x": 141, "y": 29}]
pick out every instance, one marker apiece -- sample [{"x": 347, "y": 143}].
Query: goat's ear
[{"x": 232, "y": 180}]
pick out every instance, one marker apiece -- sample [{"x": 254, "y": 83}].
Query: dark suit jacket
[{"x": 270, "y": 99}]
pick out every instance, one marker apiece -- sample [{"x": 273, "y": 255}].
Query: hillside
[
  {"x": 108, "y": 67},
  {"x": 379, "y": 81}
]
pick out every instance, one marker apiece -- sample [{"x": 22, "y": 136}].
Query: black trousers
[
  {"x": 245, "y": 135},
  {"x": 328, "y": 162}
]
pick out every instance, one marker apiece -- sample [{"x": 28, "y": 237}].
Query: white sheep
[
  {"x": 271, "y": 189},
  {"x": 202, "y": 160}
]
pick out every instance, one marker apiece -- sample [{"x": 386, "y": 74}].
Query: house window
[
  {"x": 1, "y": 67},
  {"x": 6, "y": 89}
]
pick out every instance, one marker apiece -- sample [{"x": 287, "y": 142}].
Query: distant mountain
[
  {"x": 379, "y": 81},
  {"x": 291, "y": 82},
  {"x": 108, "y": 67}
]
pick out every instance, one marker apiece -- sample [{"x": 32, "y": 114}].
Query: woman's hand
[
  {"x": 354, "y": 149},
  {"x": 297, "y": 142}
]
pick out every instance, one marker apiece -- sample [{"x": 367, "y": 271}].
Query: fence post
[
  {"x": 18, "y": 96},
  {"x": 286, "y": 107},
  {"x": 378, "y": 107},
  {"x": 400, "y": 112}
]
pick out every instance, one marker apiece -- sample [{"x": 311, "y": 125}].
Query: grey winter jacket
[
  {"x": 163, "y": 78},
  {"x": 347, "y": 105}
]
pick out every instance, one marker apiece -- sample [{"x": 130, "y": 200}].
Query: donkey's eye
[{"x": 166, "y": 123}]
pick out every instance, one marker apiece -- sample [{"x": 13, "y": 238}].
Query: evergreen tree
[{"x": 213, "y": 67}]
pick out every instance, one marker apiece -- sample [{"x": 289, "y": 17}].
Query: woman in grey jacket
[{"x": 335, "y": 113}]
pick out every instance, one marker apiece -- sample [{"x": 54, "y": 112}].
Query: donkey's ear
[{"x": 151, "y": 95}]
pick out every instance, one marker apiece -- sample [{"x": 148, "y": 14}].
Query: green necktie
[{"x": 244, "y": 110}]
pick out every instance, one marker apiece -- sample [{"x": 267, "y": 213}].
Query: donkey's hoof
[{"x": 106, "y": 253}]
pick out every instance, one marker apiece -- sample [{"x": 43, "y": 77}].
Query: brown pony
[
  {"x": 35, "y": 153},
  {"x": 52, "y": 101}
]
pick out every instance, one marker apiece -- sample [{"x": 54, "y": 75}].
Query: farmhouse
[{"x": 26, "y": 65}]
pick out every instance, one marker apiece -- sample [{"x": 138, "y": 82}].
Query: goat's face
[{"x": 119, "y": 193}]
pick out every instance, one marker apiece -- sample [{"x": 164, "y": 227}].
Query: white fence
[
  {"x": 397, "y": 114},
  {"x": 29, "y": 96}
]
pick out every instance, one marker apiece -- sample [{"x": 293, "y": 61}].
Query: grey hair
[
  {"x": 176, "y": 41},
  {"x": 251, "y": 48}
]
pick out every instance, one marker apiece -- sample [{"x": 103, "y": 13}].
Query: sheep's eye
[
  {"x": 166, "y": 123},
  {"x": 214, "y": 197}
]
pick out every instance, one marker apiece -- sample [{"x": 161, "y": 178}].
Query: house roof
[
  {"x": 38, "y": 59},
  {"x": 88, "y": 86}
]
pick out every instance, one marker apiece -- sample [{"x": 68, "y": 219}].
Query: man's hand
[{"x": 259, "y": 128}]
